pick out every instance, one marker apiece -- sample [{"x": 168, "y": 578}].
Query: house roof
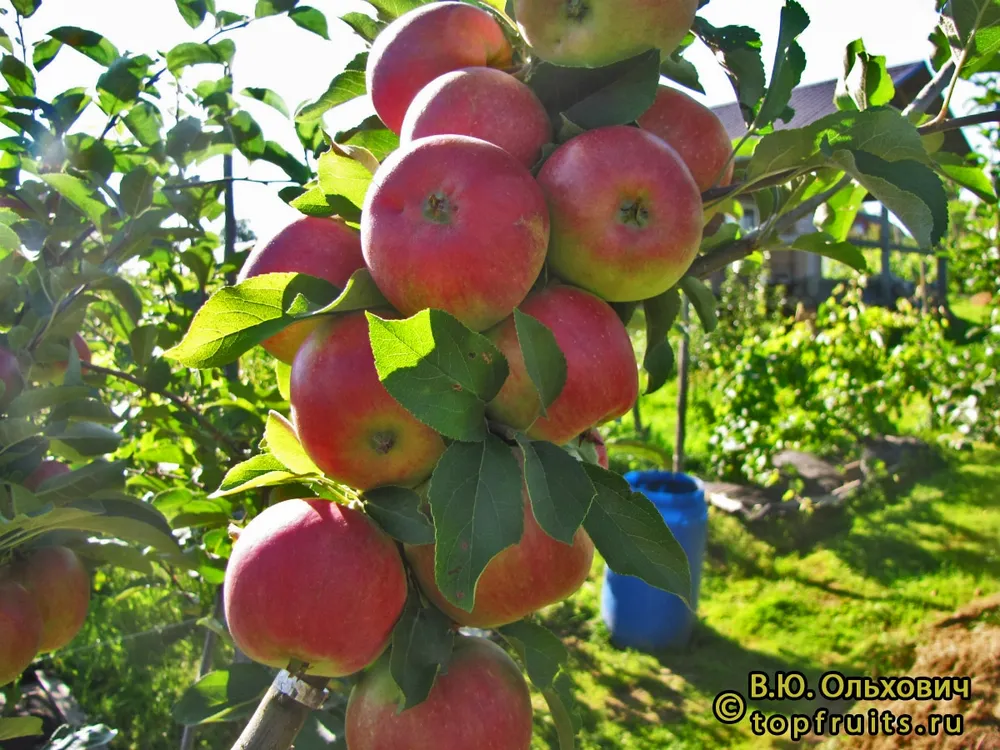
[{"x": 816, "y": 100}]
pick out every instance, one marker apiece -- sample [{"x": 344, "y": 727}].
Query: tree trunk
[{"x": 279, "y": 718}]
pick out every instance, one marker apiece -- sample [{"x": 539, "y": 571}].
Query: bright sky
[{"x": 276, "y": 54}]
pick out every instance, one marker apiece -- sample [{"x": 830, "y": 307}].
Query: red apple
[
  {"x": 481, "y": 703},
  {"x": 483, "y": 103},
  {"x": 54, "y": 373},
  {"x": 427, "y": 42},
  {"x": 594, "y": 34},
  {"x": 695, "y": 133},
  {"x": 326, "y": 248},
  {"x": 43, "y": 472},
  {"x": 535, "y": 572},
  {"x": 317, "y": 582},
  {"x": 346, "y": 420},
  {"x": 60, "y": 586},
  {"x": 626, "y": 213},
  {"x": 20, "y": 630},
  {"x": 602, "y": 378},
  {"x": 10, "y": 376},
  {"x": 455, "y": 223}
]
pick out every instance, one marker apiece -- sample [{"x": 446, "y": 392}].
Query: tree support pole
[
  {"x": 283, "y": 712},
  {"x": 682, "y": 391}
]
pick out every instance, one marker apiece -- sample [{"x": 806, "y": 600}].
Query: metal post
[
  {"x": 942, "y": 282},
  {"x": 885, "y": 239},
  {"x": 682, "y": 390}
]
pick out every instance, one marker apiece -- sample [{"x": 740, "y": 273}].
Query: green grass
[
  {"x": 854, "y": 599},
  {"x": 963, "y": 307}
]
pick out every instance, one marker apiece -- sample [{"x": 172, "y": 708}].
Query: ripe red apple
[
  {"x": 593, "y": 34},
  {"x": 317, "y": 582},
  {"x": 602, "y": 378},
  {"x": 455, "y": 223},
  {"x": 20, "y": 630},
  {"x": 535, "y": 572},
  {"x": 346, "y": 420},
  {"x": 481, "y": 703},
  {"x": 60, "y": 586},
  {"x": 54, "y": 373},
  {"x": 695, "y": 133},
  {"x": 626, "y": 213},
  {"x": 323, "y": 247},
  {"x": 483, "y": 103},
  {"x": 427, "y": 42},
  {"x": 10, "y": 376},
  {"x": 45, "y": 471}
]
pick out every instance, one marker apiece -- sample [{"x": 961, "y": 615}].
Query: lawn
[{"x": 855, "y": 601}]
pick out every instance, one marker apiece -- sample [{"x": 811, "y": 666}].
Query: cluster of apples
[
  {"x": 464, "y": 217},
  {"x": 44, "y": 596}
]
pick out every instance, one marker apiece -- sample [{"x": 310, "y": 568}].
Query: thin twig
[
  {"x": 223, "y": 181},
  {"x": 980, "y": 118},
  {"x": 233, "y": 449},
  {"x": 931, "y": 91},
  {"x": 727, "y": 191},
  {"x": 20, "y": 33}
]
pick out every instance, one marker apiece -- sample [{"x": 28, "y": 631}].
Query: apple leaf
[
  {"x": 789, "y": 62},
  {"x": 397, "y": 511},
  {"x": 310, "y": 19},
  {"x": 559, "y": 488},
  {"x": 313, "y": 202},
  {"x": 969, "y": 176},
  {"x": 364, "y": 26},
  {"x": 543, "y": 359},
  {"x": 541, "y": 651},
  {"x": 193, "y": 11},
  {"x": 343, "y": 88},
  {"x": 975, "y": 25},
  {"x": 632, "y": 536},
  {"x": 837, "y": 215},
  {"x": 344, "y": 181},
  {"x": 228, "y": 694},
  {"x": 658, "y": 361},
  {"x": 438, "y": 370},
  {"x": 263, "y": 470},
  {"x": 281, "y": 441},
  {"x": 621, "y": 101},
  {"x": 823, "y": 244},
  {"x": 236, "y": 318},
  {"x": 866, "y": 82},
  {"x": 421, "y": 647},
  {"x": 14, "y": 727},
  {"x": 478, "y": 510},
  {"x": 268, "y": 97},
  {"x": 97, "y": 476},
  {"x": 703, "y": 300},
  {"x": 361, "y": 293},
  {"x": 738, "y": 50},
  {"x": 35, "y": 399},
  {"x": 77, "y": 192}
]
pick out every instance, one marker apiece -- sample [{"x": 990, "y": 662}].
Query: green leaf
[
  {"x": 969, "y": 176},
  {"x": 837, "y": 215},
  {"x": 789, "y": 62},
  {"x": 659, "y": 365},
  {"x": 345, "y": 183},
  {"x": 313, "y": 202},
  {"x": 623, "y": 100},
  {"x": 284, "y": 445},
  {"x": 361, "y": 293},
  {"x": 703, "y": 300},
  {"x": 738, "y": 50},
  {"x": 145, "y": 123},
  {"x": 87, "y": 438},
  {"x": 380, "y": 142},
  {"x": 45, "y": 52},
  {"x": 364, "y": 26},
  {"x": 390, "y": 10},
  {"x": 20, "y": 726},
  {"x": 87, "y": 42},
  {"x": 823, "y": 244},
  {"x": 276, "y": 154},
  {"x": 632, "y": 536},
  {"x": 193, "y": 11},
  {"x": 268, "y": 97},
  {"x": 34, "y": 400},
  {"x": 19, "y": 77},
  {"x": 543, "y": 359},
  {"x": 142, "y": 339},
  {"x": 866, "y": 82},
  {"x": 124, "y": 293},
  {"x": 397, "y": 511},
  {"x": 438, "y": 370},
  {"x": 79, "y": 193},
  {"x": 976, "y": 25},
  {"x": 422, "y": 641},
  {"x": 562, "y": 706},
  {"x": 127, "y": 519},
  {"x": 478, "y": 510},
  {"x": 263, "y": 470},
  {"x": 658, "y": 361},
  {"x": 191, "y": 53},
  {"x": 236, "y": 318},
  {"x": 558, "y": 487},
  {"x": 26, "y": 8},
  {"x": 226, "y": 694},
  {"x": 119, "y": 86},
  {"x": 541, "y": 651},
  {"x": 343, "y": 88},
  {"x": 310, "y": 19},
  {"x": 273, "y": 7}
]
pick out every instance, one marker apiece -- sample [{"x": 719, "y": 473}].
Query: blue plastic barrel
[{"x": 637, "y": 614}]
